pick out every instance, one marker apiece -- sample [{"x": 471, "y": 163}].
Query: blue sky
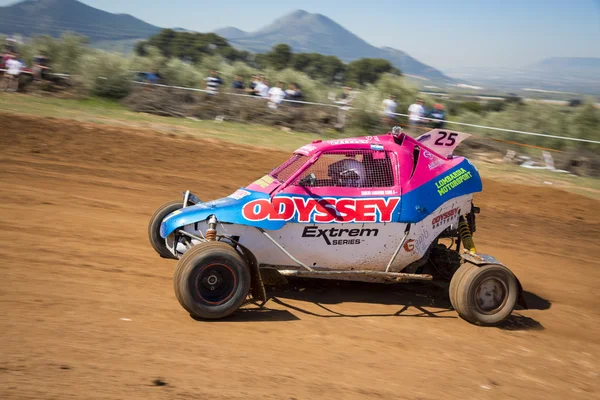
[{"x": 442, "y": 33}]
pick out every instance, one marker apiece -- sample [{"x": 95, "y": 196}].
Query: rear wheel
[
  {"x": 157, "y": 242},
  {"x": 484, "y": 295},
  {"x": 211, "y": 280}
]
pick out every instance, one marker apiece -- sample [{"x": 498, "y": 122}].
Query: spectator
[
  {"x": 40, "y": 66},
  {"x": 345, "y": 104},
  {"x": 439, "y": 115},
  {"x": 238, "y": 84},
  {"x": 262, "y": 88},
  {"x": 13, "y": 70},
  {"x": 416, "y": 112},
  {"x": 213, "y": 82},
  {"x": 252, "y": 86},
  {"x": 5, "y": 57},
  {"x": 154, "y": 76},
  {"x": 276, "y": 95},
  {"x": 389, "y": 110},
  {"x": 294, "y": 93}
]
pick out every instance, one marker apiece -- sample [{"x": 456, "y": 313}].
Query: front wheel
[
  {"x": 157, "y": 242},
  {"x": 484, "y": 295},
  {"x": 211, "y": 280}
]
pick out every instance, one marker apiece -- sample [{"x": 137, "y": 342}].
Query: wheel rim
[
  {"x": 215, "y": 283},
  {"x": 490, "y": 295}
]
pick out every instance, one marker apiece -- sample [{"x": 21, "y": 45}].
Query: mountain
[
  {"x": 35, "y": 17},
  {"x": 231, "y": 32},
  {"x": 316, "y": 33}
]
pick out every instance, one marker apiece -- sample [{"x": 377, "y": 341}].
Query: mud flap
[
  {"x": 484, "y": 259},
  {"x": 257, "y": 287}
]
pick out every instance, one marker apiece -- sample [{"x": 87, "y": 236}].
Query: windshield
[{"x": 288, "y": 168}]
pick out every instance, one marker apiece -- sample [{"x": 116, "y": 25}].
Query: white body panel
[{"x": 346, "y": 246}]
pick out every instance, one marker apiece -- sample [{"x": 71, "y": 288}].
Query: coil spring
[
  {"x": 211, "y": 234},
  {"x": 465, "y": 235}
]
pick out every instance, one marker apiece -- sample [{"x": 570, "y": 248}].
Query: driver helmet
[{"x": 348, "y": 173}]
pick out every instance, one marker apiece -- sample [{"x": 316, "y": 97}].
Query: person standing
[
  {"x": 40, "y": 66},
  {"x": 13, "y": 70},
  {"x": 345, "y": 104},
  {"x": 438, "y": 115},
  {"x": 276, "y": 95},
  {"x": 294, "y": 93},
  {"x": 213, "y": 82},
  {"x": 389, "y": 110},
  {"x": 238, "y": 84},
  {"x": 262, "y": 88},
  {"x": 416, "y": 113}
]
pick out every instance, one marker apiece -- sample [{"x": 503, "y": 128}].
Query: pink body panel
[{"x": 429, "y": 165}]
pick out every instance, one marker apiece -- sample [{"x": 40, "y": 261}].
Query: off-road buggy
[{"x": 386, "y": 208}]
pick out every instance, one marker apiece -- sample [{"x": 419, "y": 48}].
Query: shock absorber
[
  {"x": 465, "y": 235},
  {"x": 211, "y": 232}
]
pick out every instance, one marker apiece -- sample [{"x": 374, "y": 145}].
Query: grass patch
[{"x": 103, "y": 111}]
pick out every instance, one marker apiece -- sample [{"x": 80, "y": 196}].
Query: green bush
[
  {"x": 107, "y": 75},
  {"x": 580, "y": 122},
  {"x": 312, "y": 90},
  {"x": 471, "y": 106},
  {"x": 179, "y": 73},
  {"x": 65, "y": 54}
]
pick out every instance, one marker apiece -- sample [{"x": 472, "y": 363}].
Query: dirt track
[{"x": 74, "y": 204}]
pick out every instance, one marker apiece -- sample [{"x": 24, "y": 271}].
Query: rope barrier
[
  {"x": 509, "y": 130},
  {"x": 398, "y": 114},
  {"x": 346, "y": 108}
]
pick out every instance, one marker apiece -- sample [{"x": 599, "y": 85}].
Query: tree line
[{"x": 193, "y": 47}]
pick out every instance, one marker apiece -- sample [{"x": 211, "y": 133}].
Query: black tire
[
  {"x": 211, "y": 280},
  {"x": 456, "y": 278},
  {"x": 157, "y": 242},
  {"x": 484, "y": 295}
]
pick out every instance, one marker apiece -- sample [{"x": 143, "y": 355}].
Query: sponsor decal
[
  {"x": 434, "y": 164},
  {"x": 239, "y": 194},
  {"x": 377, "y": 147},
  {"x": 213, "y": 203},
  {"x": 264, "y": 181},
  {"x": 421, "y": 243},
  {"x": 451, "y": 181},
  {"x": 434, "y": 161},
  {"x": 348, "y": 141},
  {"x": 325, "y": 210},
  {"x": 390, "y": 192},
  {"x": 339, "y": 237},
  {"x": 306, "y": 149},
  {"x": 445, "y": 218},
  {"x": 375, "y": 138}
]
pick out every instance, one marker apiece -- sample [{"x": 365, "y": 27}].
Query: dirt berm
[{"x": 88, "y": 309}]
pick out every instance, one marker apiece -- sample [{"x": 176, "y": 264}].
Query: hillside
[
  {"x": 316, "y": 33},
  {"x": 52, "y": 17}
]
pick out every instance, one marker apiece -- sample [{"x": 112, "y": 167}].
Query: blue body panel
[
  {"x": 422, "y": 201},
  {"x": 226, "y": 209}
]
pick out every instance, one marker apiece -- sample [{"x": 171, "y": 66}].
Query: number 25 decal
[{"x": 446, "y": 139}]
